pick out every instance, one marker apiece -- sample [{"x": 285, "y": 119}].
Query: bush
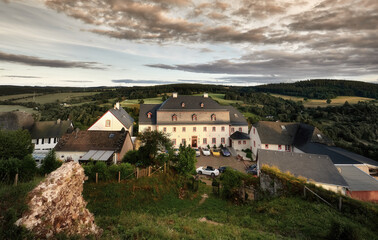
[
  {"x": 342, "y": 231},
  {"x": 131, "y": 157},
  {"x": 231, "y": 181},
  {"x": 50, "y": 163},
  {"x": 25, "y": 168}
]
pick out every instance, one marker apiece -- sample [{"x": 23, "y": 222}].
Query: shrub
[
  {"x": 102, "y": 170},
  {"x": 26, "y": 169},
  {"x": 50, "y": 163},
  {"x": 342, "y": 231},
  {"x": 131, "y": 157},
  {"x": 231, "y": 181}
]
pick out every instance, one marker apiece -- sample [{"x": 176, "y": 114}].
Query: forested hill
[{"x": 322, "y": 89}]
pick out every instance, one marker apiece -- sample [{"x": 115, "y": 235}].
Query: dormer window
[
  {"x": 149, "y": 114},
  {"x": 213, "y": 117},
  {"x": 183, "y": 104},
  {"x": 194, "y": 117},
  {"x": 174, "y": 117},
  {"x": 202, "y": 105}
]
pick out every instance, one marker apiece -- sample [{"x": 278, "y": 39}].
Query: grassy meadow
[
  {"x": 338, "y": 101},
  {"x": 10, "y": 108},
  {"x": 54, "y": 97}
]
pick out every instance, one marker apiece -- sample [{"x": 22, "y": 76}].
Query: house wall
[
  {"x": 241, "y": 146},
  {"x": 75, "y": 156},
  {"x": 46, "y": 145},
  {"x": 115, "y": 124},
  {"x": 166, "y": 116},
  {"x": 330, "y": 187},
  {"x": 144, "y": 127},
  {"x": 234, "y": 128},
  {"x": 127, "y": 146},
  {"x": 367, "y": 196},
  {"x": 255, "y": 140}
]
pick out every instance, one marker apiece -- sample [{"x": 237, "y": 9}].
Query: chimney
[
  {"x": 58, "y": 121},
  {"x": 205, "y": 95},
  {"x": 174, "y": 95},
  {"x": 116, "y": 106}
]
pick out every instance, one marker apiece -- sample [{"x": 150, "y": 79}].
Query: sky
[{"x": 147, "y": 42}]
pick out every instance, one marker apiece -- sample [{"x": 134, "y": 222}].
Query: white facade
[
  {"x": 44, "y": 144},
  {"x": 108, "y": 122},
  {"x": 241, "y": 144},
  {"x": 257, "y": 144}
]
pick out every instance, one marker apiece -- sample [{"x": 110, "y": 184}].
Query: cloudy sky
[{"x": 144, "y": 42}]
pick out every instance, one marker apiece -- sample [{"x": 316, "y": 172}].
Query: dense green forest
[{"x": 322, "y": 89}]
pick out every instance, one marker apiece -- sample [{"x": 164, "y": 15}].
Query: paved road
[{"x": 216, "y": 162}]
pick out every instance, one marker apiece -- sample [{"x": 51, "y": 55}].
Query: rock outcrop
[{"x": 56, "y": 205}]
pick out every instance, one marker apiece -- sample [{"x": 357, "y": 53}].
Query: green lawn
[
  {"x": 10, "y": 108},
  {"x": 62, "y": 97}
]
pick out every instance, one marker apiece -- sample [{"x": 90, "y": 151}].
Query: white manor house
[{"x": 196, "y": 120}]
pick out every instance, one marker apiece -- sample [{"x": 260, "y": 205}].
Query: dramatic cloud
[
  {"x": 36, "y": 61},
  {"x": 18, "y": 76}
]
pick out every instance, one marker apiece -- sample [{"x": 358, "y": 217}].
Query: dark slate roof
[
  {"x": 16, "y": 120},
  {"x": 122, "y": 116},
  {"x": 83, "y": 141},
  {"x": 274, "y": 133},
  {"x": 50, "y": 129},
  {"x": 307, "y": 133},
  {"x": 337, "y": 155},
  {"x": 236, "y": 118},
  {"x": 191, "y": 103},
  {"x": 357, "y": 179},
  {"x": 239, "y": 136},
  {"x": 144, "y": 109},
  {"x": 311, "y": 166}
]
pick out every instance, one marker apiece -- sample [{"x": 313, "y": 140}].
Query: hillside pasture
[
  {"x": 16, "y": 96},
  {"x": 11, "y": 108},
  {"x": 54, "y": 97},
  {"x": 338, "y": 101}
]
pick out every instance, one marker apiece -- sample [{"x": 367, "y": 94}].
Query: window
[
  {"x": 240, "y": 129},
  {"x": 43, "y": 141},
  {"x": 37, "y": 142},
  {"x": 202, "y": 105},
  {"x": 266, "y": 146},
  {"x": 55, "y": 140},
  {"x": 254, "y": 143},
  {"x": 183, "y": 141},
  {"x": 279, "y": 147},
  {"x": 213, "y": 117},
  {"x": 214, "y": 129},
  {"x": 194, "y": 129},
  {"x": 254, "y": 132},
  {"x": 204, "y": 141},
  {"x": 232, "y": 129},
  {"x": 222, "y": 129},
  {"x": 174, "y": 117},
  {"x": 205, "y": 129},
  {"x": 287, "y": 148},
  {"x": 214, "y": 141},
  {"x": 194, "y": 117},
  {"x": 149, "y": 128},
  {"x": 183, "y": 104},
  {"x": 244, "y": 142},
  {"x": 107, "y": 123},
  {"x": 149, "y": 114},
  {"x": 183, "y": 129},
  {"x": 174, "y": 129},
  {"x": 174, "y": 141},
  {"x": 49, "y": 141},
  {"x": 239, "y": 142},
  {"x": 223, "y": 140},
  {"x": 164, "y": 129}
]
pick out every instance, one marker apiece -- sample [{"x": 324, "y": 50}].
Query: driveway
[{"x": 217, "y": 162}]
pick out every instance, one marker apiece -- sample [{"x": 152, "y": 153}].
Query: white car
[
  {"x": 205, "y": 151},
  {"x": 208, "y": 171},
  {"x": 198, "y": 153}
]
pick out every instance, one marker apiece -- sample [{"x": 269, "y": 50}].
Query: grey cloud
[
  {"x": 19, "y": 76},
  {"x": 36, "y": 61}
]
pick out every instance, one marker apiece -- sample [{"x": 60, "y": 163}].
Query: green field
[
  {"x": 10, "y": 108},
  {"x": 219, "y": 97},
  {"x": 338, "y": 101},
  {"x": 16, "y": 96},
  {"x": 54, "y": 97}
]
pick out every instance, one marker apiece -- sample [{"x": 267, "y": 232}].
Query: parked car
[
  {"x": 198, "y": 153},
  {"x": 176, "y": 151},
  {"x": 205, "y": 151},
  {"x": 252, "y": 169},
  {"x": 225, "y": 152},
  {"x": 208, "y": 171},
  {"x": 215, "y": 152}
]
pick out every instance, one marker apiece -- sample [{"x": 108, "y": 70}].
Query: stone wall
[{"x": 56, "y": 205}]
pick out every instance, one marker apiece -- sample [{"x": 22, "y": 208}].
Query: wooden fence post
[
  {"x": 96, "y": 177},
  {"x": 149, "y": 170},
  {"x": 165, "y": 167},
  {"x": 16, "y": 179},
  {"x": 119, "y": 176}
]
